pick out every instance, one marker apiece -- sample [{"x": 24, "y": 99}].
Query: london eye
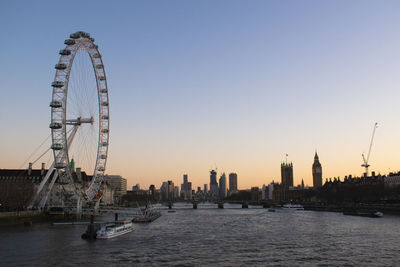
[{"x": 79, "y": 120}]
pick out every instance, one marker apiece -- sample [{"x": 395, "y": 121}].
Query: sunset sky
[{"x": 195, "y": 85}]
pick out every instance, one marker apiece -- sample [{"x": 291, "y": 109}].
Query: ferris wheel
[{"x": 79, "y": 118}]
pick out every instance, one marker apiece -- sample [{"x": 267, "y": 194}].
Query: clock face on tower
[{"x": 318, "y": 170}]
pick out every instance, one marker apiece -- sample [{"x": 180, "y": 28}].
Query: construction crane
[{"x": 366, "y": 165}]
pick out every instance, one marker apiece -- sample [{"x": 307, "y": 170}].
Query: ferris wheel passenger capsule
[
  {"x": 57, "y": 146},
  {"x": 55, "y": 125},
  {"x": 65, "y": 52},
  {"x": 104, "y": 103},
  {"x": 55, "y": 104},
  {"x": 104, "y": 144},
  {"x": 75, "y": 35},
  {"x": 104, "y": 91},
  {"x": 103, "y": 156},
  {"x": 57, "y": 84},
  {"x": 105, "y": 117},
  {"x": 69, "y": 42},
  {"x": 60, "y": 66},
  {"x": 97, "y": 55},
  {"x": 99, "y": 66},
  {"x": 101, "y": 169}
]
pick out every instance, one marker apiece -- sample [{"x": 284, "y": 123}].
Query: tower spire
[{"x": 317, "y": 171}]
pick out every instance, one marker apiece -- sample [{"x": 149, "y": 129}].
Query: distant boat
[
  {"x": 149, "y": 214},
  {"x": 271, "y": 210},
  {"x": 289, "y": 206},
  {"x": 364, "y": 213}
]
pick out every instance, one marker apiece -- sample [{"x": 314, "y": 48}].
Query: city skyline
[{"x": 198, "y": 84}]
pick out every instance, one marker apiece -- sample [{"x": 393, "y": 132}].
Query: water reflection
[{"x": 209, "y": 236}]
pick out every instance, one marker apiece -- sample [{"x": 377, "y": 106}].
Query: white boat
[
  {"x": 364, "y": 213},
  {"x": 378, "y": 214},
  {"x": 113, "y": 229},
  {"x": 293, "y": 206}
]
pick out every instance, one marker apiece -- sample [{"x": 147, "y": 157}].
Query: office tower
[
  {"x": 222, "y": 186},
  {"x": 233, "y": 182},
  {"x": 170, "y": 190},
  {"x": 176, "y": 192},
  {"x": 213, "y": 183},
  {"x": 186, "y": 188}
]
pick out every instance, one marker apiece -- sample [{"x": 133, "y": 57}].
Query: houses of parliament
[
  {"x": 286, "y": 191},
  {"x": 287, "y": 174},
  {"x": 317, "y": 172}
]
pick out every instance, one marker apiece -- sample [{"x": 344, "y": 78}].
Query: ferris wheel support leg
[
  {"x": 41, "y": 185},
  {"x": 48, "y": 190},
  {"x": 47, "y": 176},
  {"x": 79, "y": 208},
  {"x": 96, "y": 206}
]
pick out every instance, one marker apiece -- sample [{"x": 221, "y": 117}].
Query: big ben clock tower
[{"x": 317, "y": 172}]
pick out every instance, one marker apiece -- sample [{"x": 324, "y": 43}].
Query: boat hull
[
  {"x": 111, "y": 235},
  {"x": 375, "y": 214}
]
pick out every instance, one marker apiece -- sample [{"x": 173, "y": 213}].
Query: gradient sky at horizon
[{"x": 199, "y": 84}]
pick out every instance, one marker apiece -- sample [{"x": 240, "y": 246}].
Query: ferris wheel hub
[{"x": 79, "y": 121}]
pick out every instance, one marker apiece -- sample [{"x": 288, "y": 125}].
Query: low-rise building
[
  {"x": 255, "y": 194},
  {"x": 119, "y": 185},
  {"x": 108, "y": 194},
  {"x": 392, "y": 180}
]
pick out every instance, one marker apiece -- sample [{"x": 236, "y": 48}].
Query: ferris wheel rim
[{"x": 80, "y": 41}]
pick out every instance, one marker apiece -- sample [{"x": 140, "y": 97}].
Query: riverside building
[
  {"x": 222, "y": 186},
  {"x": 287, "y": 175},
  {"x": 118, "y": 184},
  {"x": 18, "y": 187}
]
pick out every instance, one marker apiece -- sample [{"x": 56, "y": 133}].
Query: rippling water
[{"x": 230, "y": 236}]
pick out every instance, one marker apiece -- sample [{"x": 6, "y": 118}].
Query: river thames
[{"x": 210, "y": 236}]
